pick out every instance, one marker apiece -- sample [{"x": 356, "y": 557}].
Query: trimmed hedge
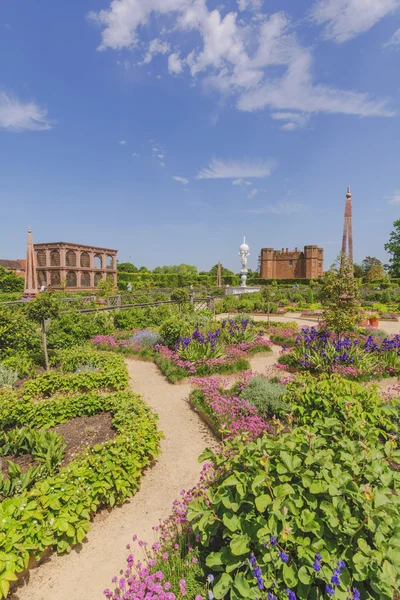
[
  {"x": 56, "y": 512},
  {"x": 111, "y": 374}
]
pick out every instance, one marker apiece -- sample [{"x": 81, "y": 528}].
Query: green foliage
[
  {"x": 174, "y": 373},
  {"x": 393, "y": 248},
  {"x": 17, "y": 333},
  {"x": 142, "y": 318},
  {"x": 10, "y": 282},
  {"x": 180, "y": 296},
  {"x": 72, "y": 329},
  {"x": 21, "y": 362},
  {"x": 338, "y": 294},
  {"x": 57, "y": 510},
  {"x": 127, "y": 267},
  {"x": 106, "y": 287},
  {"x": 8, "y": 377},
  {"x": 44, "y": 306},
  {"x": 317, "y": 491},
  {"x": 358, "y": 407},
  {"x": 111, "y": 373},
  {"x": 267, "y": 397},
  {"x": 172, "y": 329}
]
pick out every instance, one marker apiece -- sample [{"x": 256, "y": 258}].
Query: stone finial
[{"x": 31, "y": 283}]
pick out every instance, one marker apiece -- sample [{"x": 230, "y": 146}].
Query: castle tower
[{"x": 347, "y": 241}]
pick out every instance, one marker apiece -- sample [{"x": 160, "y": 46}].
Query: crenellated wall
[{"x": 292, "y": 264}]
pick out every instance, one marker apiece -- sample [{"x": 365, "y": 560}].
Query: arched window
[
  {"x": 110, "y": 277},
  {"x": 71, "y": 279},
  {"x": 97, "y": 262},
  {"x": 41, "y": 258},
  {"x": 97, "y": 277},
  {"x": 55, "y": 278},
  {"x": 85, "y": 260},
  {"x": 54, "y": 258},
  {"x": 42, "y": 278},
  {"x": 109, "y": 262},
  {"x": 70, "y": 258},
  {"x": 85, "y": 280}
]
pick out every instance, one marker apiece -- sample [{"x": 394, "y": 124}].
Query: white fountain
[{"x": 244, "y": 252}]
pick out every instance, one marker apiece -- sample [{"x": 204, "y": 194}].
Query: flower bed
[
  {"x": 355, "y": 358},
  {"x": 57, "y": 510},
  {"x": 137, "y": 342}
]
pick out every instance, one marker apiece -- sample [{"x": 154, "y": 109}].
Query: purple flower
[
  {"x": 316, "y": 566},
  {"x": 283, "y": 556},
  {"x": 341, "y": 564},
  {"x": 273, "y": 540},
  {"x": 329, "y": 590},
  {"x": 356, "y": 594},
  {"x": 252, "y": 559},
  {"x": 335, "y": 579},
  {"x": 291, "y": 595},
  {"x": 271, "y": 596}
]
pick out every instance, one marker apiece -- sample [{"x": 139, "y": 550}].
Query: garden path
[{"x": 86, "y": 572}]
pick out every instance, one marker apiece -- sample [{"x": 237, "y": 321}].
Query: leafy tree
[
  {"x": 224, "y": 271},
  {"x": 182, "y": 269},
  {"x": 393, "y": 248},
  {"x": 44, "y": 307},
  {"x": 358, "y": 271},
  {"x": 338, "y": 294},
  {"x": 371, "y": 262},
  {"x": 106, "y": 287},
  {"x": 375, "y": 273},
  {"x": 127, "y": 267},
  {"x": 10, "y": 282}
]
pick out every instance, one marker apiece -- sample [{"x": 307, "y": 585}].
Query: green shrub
[
  {"x": 72, "y": 329},
  {"x": 142, "y": 318},
  {"x": 22, "y": 362},
  {"x": 57, "y": 510},
  {"x": 266, "y": 397},
  {"x": 111, "y": 374},
  {"x": 10, "y": 282},
  {"x": 17, "y": 333},
  {"x": 8, "y": 377},
  {"x": 358, "y": 407},
  {"x": 180, "y": 296},
  {"x": 311, "y": 492},
  {"x": 172, "y": 329}
]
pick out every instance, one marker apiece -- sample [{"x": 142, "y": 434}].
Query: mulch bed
[{"x": 78, "y": 434}]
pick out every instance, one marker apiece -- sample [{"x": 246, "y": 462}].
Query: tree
[
  {"x": 224, "y": 272},
  {"x": 375, "y": 273},
  {"x": 368, "y": 263},
  {"x": 182, "y": 269},
  {"x": 338, "y": 294},
  {"x": 44, "y": 307},
  {"x": 106, "y": 287},
  {"x": 393, "y": 248},
  {"x": 10, "y": 282},
  {"x": 358, "y": 271},
  {"x": 127, "y": 267}
]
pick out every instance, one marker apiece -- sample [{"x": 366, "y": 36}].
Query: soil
[{"x": 78, "y": 434}]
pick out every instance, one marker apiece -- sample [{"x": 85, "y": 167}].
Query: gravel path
[{"x": 86, "y": 572}]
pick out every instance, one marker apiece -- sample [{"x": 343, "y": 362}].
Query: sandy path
[{"x": 85, "y": 573}]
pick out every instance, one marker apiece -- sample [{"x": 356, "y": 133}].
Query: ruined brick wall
[{"x": 292, "y": 264}]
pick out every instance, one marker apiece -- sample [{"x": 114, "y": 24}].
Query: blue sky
[{"x": 171, "y": 128}]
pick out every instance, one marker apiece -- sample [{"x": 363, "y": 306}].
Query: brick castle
[{"x": 292, "y": 264}]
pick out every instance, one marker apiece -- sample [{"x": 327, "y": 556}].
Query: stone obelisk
[
  {"x": 219, "y": 278},
  {"x": 347, "y": 240},
  {"x": 31, "y": 284}
]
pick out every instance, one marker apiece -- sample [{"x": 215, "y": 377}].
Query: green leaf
[
  {"x": 239, "y": 545},
  {"x": 222, "y": 586},
  {"x": 214, "y": 559},
  {"x": 283, "y": 490},
  {"x": 289, "y": 575},
  {"x": 262, "y": 502},
  {"x": 231, "y": 522},
  {"x": 242, "y": 585},
  {"x": 305, "y": 575}
]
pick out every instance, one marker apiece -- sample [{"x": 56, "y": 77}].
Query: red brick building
[
  {"x": 16, "y": 266},
  {"x": 79, "y": 267},
  {"x": 292, "y": 264}
]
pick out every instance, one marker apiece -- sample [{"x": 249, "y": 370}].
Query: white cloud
[
  {"x": 237, "y": 169},
  {"x": 135, "y": 154},
  {"x": 249, "y": 4},
  {"x": 293, "y": 120},
  {"x": 345, "y": 19},
  {"x": 253, "y": 193},
  {"x": 394, "y": 40},
  {"x": 156, "y": 46},
  {"x": 239, "y": 56},
  {"x": 241, "y": 182},
  {"x": 123, "y": 142},
  {"x": 280, "y": 208},
  {"x": 180, "y": 179},
  {"x": 395, "y": 197},
  {"x": 18, "y": 116},
  {"x": 175, "y": 64}
]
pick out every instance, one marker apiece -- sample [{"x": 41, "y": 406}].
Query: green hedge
[
  {"x": 56, "y": 512},
  {"x": 112, "y": 373}
]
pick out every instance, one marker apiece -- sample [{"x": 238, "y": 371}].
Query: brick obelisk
[
  {"x": 219, "y": 278},
  {"x": 347, "y": 240},
  {"x": 31, "y": 283}
]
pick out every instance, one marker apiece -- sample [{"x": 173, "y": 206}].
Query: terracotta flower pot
[
  {"x": 374, "y": 322},
  {"x": 365, "y": 323}
]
